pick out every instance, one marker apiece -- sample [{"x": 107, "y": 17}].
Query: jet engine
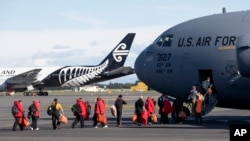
[{"x": 243, "y": 54}]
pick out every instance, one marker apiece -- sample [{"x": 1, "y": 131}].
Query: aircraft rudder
[{"x": 118, "y": 55}]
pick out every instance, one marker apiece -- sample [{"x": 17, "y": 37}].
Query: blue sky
[{"x": 81, "y": 32}]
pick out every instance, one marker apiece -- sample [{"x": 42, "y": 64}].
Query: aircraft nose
[
  {"x": 139, "y": 66},
  {"x": 142, "y": 62}
]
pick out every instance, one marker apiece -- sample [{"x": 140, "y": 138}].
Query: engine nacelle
[{"x": 243, "y": 54}]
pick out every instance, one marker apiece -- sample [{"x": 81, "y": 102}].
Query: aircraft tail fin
[{"x": 116, "y": 58}]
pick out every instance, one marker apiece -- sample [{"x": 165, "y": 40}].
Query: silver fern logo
[
  {"x": 120, "y": 51},
  {"x": 77, "y": 76}
]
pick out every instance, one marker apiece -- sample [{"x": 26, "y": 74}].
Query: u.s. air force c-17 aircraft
[
  {"x": 26, "y": 79},
  {"x": 215, "y": 46}
]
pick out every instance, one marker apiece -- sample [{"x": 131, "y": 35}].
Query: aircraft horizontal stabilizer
[{"x": 121, "y": 70}]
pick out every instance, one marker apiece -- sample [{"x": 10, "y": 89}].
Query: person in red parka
[
  {"x": 80, "y": 114},
  {"x": 99, "y": 111},
  {"x": 34, "y": 112},
  {"x": 18, "y": 114},
  {"x": 150, "y": 107},
  {"x": 166, "y": 109}
]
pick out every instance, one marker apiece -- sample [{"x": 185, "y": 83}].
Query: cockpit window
[{"x": 164, "y": 40}]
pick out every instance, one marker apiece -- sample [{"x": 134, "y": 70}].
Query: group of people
[
  {"x": 198, "y": 98},
  {"x": 144, "y": 111},
  {"x": 80, "y": 109},
  {"x": 18, "y": 114}
]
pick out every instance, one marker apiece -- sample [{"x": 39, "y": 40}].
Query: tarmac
[{"x": 215, "y": 125}]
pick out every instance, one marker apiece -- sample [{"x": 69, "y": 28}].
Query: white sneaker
[
  {"x": 95, "y": 127},
  {"x": 31, "y": 128},
  {"x": 106, "y": 126},
  {"x": 37, "y": 129}
]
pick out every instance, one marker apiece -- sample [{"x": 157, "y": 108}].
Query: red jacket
[
  {"x": 167, "y": 108},
  {"x": 100, "y": 106},
  {"x": 19, "y": 106},
  {"x": 82, "y": 107},
  {"x": 149, "y": 105},
  {"x": 37, "y": 106}
]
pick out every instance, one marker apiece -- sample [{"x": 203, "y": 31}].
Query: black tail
[{"x": 118, "y": 55}]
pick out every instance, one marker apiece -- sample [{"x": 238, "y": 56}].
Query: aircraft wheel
[
  {"x": 43, "y": 93},
  {"x": 26, "y": 93},
  {"x": 46, "y": 93}
]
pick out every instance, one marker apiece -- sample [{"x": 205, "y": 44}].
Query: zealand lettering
[{"x": 8, "y": 72}]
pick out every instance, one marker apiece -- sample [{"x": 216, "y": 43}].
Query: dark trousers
[
  {"x": 34, "y": 122},
  {"x": 198, "y": 118},
  {"x": 55, "y": 122},
  {"x": 17, "y": 123},
  {"x": 165, "y": 119},
  {"x": 119, "y": 117},
  {"x": 77, "y": 119},
  {"x": 138, "y": 114}
]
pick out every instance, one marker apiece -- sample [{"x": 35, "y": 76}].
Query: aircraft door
[{"x": 210, "y": 100}]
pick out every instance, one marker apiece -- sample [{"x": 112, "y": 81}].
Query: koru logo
[{"x": 120, "y": 51}]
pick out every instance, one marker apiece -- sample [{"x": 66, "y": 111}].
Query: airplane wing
[{"x": 25, "y": 78}]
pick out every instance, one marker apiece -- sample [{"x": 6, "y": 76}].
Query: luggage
[
  {"x": 154, "y": 118},
  {"x": 24, "y": 121},
  {"x": 134, "y": 117},
  {"x": 182, "y": 115},
  {"x": 113, "y": 110},
  {"x": 101, "y": 118},
  {"x": 144, "y": 117},
  {"x": 63, "y": 119}
]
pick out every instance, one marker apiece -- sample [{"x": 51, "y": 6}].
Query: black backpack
[
  {"x": 14, "y": 110},
  {"x": 50, "y": 110},
  {"x": 32, "y": 108},
  {"x": 75, "y": 109},
  {"x": 89, "y": 109}
]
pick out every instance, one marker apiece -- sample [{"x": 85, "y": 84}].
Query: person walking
[
  {"x": 150, "y": 107},
  {"x": 139, "y": 104},
  {"x": 34, "y": 113},
  {"x": 160, "y": 105},
  {"x": 119, "y": 106},
  {"x": 166, "y": 110},
  {"x": 57, "y": 110},
  {"x": 192, "y": 97},
  {"x": 198, "y": 108},
  {"x": 99, "y": 113},
  {"x": 18, "y": 113},
  {"x": 80, "y": 113}
]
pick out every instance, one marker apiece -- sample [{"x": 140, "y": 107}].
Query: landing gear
[
  {"x": 43, "y": 93},
  {"x": 35, "y": 93}
]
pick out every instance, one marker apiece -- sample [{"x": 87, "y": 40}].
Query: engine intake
[{"x": 243, "y": 54}]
